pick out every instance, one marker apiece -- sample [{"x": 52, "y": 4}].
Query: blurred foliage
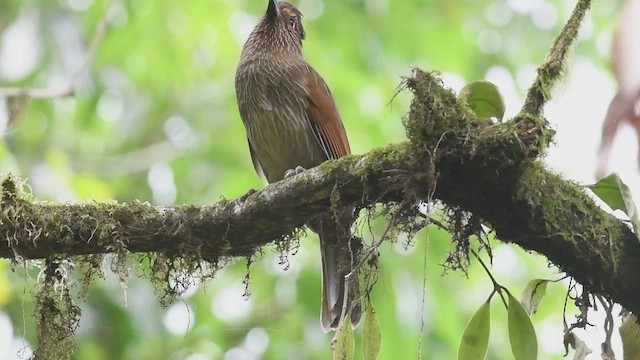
[{"x": 156, "y": 120}]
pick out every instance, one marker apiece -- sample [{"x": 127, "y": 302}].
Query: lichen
[
  {"x": 67, "y": 277},
  {"x": 57, "y": 316}
]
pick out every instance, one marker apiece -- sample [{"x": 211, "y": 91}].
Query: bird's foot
[
  {"x": 243, "y": 198},
  {"x": 293, "y": 172}
]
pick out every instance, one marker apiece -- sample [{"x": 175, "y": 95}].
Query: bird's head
[{"x": 286, "y": 22}]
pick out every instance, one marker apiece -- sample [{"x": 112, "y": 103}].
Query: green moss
[
  {"x": 435, "y": 112},
  {"x": 559, "y": 216},
  {"x": 570, "y": 217},
  {"x": 9, "y": 187},
  {"x": 57, "y": 317},
  {"x": 100, "y": 226}
]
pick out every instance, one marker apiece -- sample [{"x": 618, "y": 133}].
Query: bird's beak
[{"x": 273, "y": 11}]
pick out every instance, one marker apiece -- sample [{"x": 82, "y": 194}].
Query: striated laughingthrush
[{"x": 292, "y": 121}]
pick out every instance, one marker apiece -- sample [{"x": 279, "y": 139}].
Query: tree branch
[
  {"x": 71, "y": 88},
  {"x": 468, "y": 163},
  {"x": 551, "y": 71}
]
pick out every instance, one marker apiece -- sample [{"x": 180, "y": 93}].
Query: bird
[{"x": 292, "y": 123}]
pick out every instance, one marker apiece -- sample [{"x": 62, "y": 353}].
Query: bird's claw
[
  {"x": 293, "y": 172},
  {"x": 243, "y": 198}
]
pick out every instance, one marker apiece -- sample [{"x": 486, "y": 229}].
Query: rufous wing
[{"x": 325, "y": 119}]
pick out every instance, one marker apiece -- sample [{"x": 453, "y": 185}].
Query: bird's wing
[
  {"x": 325, "y": 119},
  {"x": 256, "y": 163}
]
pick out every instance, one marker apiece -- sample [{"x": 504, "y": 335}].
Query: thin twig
[
  {"x": 550, "y": 72},
  {"x": 424, "y": 296},
  {"x": 430, "y": 219},
  {"x": 608, "y": 327},
  {"x": 354, "y": 270},
  {"x": 564, "y": 308},
  {"x": 496, "y": 286},
  {"x": 74, "y": 83},
  {"x": 374, "y": 247}
]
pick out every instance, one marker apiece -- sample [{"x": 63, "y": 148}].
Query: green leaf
[
  {"x": 533, "y": 294},
  {"x": 484, "y": 99},
  {"x": 522, "y": 335},
  {"x": 617, "y": 195},
  {"x": 371, "y": 337},
  {"x": 475, "y": 340},
  {"x": 343, "y": 342}
]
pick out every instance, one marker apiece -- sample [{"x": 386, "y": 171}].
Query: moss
[
  {"x": 29, "y": 225},
  {"x": 442, "y": 134},
  {"x": 9, "y": 188},
  {"x": 439, "y": 124},
  {"x": 435, "y": 115},
  {"x": 559, "y": 216},
  {"x": 570, "y": 216},
  {"x": 57, "y": 317}
]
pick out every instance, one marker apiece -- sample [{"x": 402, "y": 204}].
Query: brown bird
[{"x": 292, "y": 121}]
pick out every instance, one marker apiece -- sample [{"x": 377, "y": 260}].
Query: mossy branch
[
  {"x": 552, "y": 70},
  {"x": 468, "y": 163}
]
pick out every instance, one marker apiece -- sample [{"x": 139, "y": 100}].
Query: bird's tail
[{"x": 340, "y": 254}]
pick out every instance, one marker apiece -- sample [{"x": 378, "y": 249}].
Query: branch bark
[
  {"x": 468, "y": 163},
  {"x": 471, "y": 165}
]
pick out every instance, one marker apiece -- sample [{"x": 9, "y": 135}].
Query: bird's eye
[{"x": 292, "y": 23}]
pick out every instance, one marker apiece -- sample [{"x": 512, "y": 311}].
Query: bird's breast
[{"x": 273, "y": 100}]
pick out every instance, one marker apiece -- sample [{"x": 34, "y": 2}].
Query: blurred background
[{"x": 155, "y": 119}]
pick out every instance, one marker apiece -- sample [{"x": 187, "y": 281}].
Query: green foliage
[
  {"x": 484, "y": 99},
  {"x": 343, "y": 343},
  {"x": 522, "y": 335},
  {"x": 617, "y": 195},
  {"x": 475, "y": 340},
  {"x": 533, "y": 294},
  {"x": 371, "y": 335}
]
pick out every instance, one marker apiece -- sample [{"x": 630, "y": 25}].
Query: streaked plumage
[{"x": 291, "y": 120}]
